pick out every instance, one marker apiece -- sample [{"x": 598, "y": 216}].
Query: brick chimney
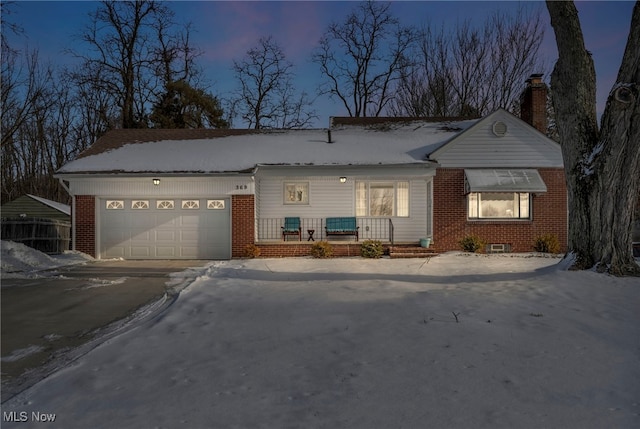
[{"x": 533, "y": 103}]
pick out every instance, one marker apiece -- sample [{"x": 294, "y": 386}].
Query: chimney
[{"x": 533, "y": 103}]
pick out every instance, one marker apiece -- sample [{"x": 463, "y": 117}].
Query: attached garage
[{"x": 165, "y": 228}]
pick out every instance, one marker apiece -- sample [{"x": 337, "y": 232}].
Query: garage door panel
[
  {"x": 190, "y": 220},
  {"x": 115, "y": 252},
  {"x": 165, "y": 233},
  {"x": 188, "y": 252},
  {"x": 162, "y": 236},
  {"x": 188, "y": 236},
  {"x": 166, "y": 252},
  {"x": 166, "y": 220},
  {"x": 140, "y": 235},
  {"x": 140, "y": 251}
]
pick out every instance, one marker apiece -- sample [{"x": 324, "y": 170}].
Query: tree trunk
[{"x": 601, "y": 166}]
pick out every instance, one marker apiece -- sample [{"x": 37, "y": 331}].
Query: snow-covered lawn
[{"x": 457, "y": 341}]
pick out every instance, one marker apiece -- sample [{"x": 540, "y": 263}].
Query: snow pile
[
  {"x": 499, "y": 341},
  {"x": 19, "y": 260}
]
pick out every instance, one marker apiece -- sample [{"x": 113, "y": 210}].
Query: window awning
[{"x": 503, "y": 181}]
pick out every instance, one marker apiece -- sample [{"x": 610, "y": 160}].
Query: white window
[
  {"x": 385, "y": 199},
  {"x": 215, "y": 204},
  {"x": 498, "y": 205},
  {"x": 139, "y": 205},
  {"x": 191, "y": 204},
  {"x": 165, "y": 205},
  {"x": 115, "y": 204},
  {"x": 296, "y": 193}
]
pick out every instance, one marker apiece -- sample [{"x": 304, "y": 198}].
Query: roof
[
  {"x": 63, "y": 208},
  {"x": 35, "y": 207},
  {"x": 227, "y": 151}
]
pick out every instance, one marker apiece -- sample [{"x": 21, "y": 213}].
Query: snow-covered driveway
[{"x": 457, "y": 341}]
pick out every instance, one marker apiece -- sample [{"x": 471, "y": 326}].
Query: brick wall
[
  {"x": 280, "y": 250},
  {"x": 85, "y": 224},
  {"x": 450, "y": 224},
  {"x": 242, "y": 223}
]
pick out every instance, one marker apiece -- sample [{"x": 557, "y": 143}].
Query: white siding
[
  {"x": 328, "y": 198},
  {"x": 169, "y": 186},
  {"x": 521, "y": 146}
]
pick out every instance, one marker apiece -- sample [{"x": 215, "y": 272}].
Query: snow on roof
[
  {"x": 377, "y": 144},
  {"x": 63, "y": 208}
]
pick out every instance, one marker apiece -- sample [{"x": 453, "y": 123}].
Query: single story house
[{"x": 207, "y": 194}]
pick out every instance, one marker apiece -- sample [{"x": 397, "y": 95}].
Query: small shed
[
  {"x": 36, "y": 207},
  {"x": 37, "y": 222}
]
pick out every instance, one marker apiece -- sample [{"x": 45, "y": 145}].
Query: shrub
[
  {"x": 371, "y": 249},
  {"x": 547, "y": 243},
  {"x": 322, "y": 249},
  {"x": 251, "y": 251},
  {"x": 472, "y": 243}
]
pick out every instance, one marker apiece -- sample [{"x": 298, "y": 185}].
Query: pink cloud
[{"x": 229, "y": 29}]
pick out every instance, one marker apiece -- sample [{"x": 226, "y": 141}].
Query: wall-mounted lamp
[
  {"x": 343, "y": 179},
  {"x": 156, "y": 182}
]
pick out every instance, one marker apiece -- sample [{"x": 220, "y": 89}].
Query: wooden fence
[{"x": 45, "y": 235}]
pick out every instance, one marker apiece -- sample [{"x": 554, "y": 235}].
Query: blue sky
[{"x": 224, "y": 30}]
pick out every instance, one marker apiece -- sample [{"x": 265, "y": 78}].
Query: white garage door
[{"x": 168, "y": 228}]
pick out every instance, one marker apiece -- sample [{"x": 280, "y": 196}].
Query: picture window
[
  {"x": 296, "y": 193},
  {"x": 499, "y": 205}
]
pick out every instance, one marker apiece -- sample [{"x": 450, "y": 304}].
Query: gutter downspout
[{"x": 73, "y": 212}]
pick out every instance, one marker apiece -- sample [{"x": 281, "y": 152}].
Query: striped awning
[{"x": 477, "y": 180}]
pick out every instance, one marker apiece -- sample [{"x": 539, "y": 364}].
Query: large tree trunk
[{"x": 601, "y": 166}]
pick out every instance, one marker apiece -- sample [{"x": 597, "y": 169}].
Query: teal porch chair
[{"x": 291, "y": 227}]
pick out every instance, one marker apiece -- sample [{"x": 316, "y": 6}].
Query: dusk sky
[{"x": 225, "y": 30}]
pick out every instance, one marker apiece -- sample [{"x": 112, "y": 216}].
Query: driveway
[{"x": 50, "y": 320}]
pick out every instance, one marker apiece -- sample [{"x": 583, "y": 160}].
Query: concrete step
[
  {"x": 411, "y": 252},
  {"x": 411, "y": 255}
]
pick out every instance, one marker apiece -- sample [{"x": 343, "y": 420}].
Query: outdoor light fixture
[
  {"x": 156, "y": 182},
  {"x": 343, "y": 179}
]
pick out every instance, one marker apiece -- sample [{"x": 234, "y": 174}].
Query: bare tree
[
  {"x": 601, "y": 165},
  {"x": 266, "y": 95},
  {"x": 118, "y": 37},
  {"x": 361, "y": 58},
  {"x": 471, "y": 71}
]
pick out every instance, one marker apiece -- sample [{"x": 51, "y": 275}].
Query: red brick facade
[
  {"x": 450, "y": 223},
  {"x": 280, "y": 250},
  {"x": 85, "y": 224},
  {"x": 242, "y": 223}
]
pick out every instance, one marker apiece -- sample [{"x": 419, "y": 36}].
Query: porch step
[{"x": 396, "y": 252}]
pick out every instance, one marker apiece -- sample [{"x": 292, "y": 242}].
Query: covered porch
[{"x": 274, "y": 230}]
